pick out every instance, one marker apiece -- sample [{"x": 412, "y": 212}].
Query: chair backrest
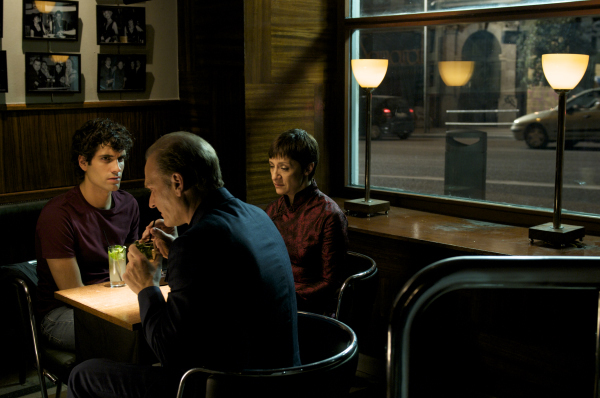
[
  {"x": 26, "y": 315},
  {"x": 27, "y": 324},
  {"x": 356, "y": 298},
  {"x": 478, "y": 272},
  {"x": 21, "y": 281},
  {"x": 22, "y": 217},
  {"x": 329, "y": 356},
  {"x": 14, "y": 311}
]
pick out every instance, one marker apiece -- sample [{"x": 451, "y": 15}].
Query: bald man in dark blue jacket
[{"x": 232, "y": 304}]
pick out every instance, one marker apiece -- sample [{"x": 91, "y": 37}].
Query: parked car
[
  {"x": 391, "y": 116},
  {"x": 582, "y": 122}
]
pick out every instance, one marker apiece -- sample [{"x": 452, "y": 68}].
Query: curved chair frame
[
  {"x": 481, "y": 272},
  {"x": 351, "y": 279},
  {"x": 21, "y": 285},
  {"x": 314, "y": 367}
]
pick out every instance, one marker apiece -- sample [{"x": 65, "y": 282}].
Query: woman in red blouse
[{"x": 313, "y": 226}]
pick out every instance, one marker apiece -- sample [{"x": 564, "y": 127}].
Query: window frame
[{"x": 452, "y": 206}]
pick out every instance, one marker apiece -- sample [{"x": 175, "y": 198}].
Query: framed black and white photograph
[
  {"x": 52, "y": 73},
  {"x": 50, "y": 20},
  {"x": 133, "y": 20},
  {"x": 118, "y": 72},
  {"x": 120, "y": 25},
  {"x": 3, "y": 73}
]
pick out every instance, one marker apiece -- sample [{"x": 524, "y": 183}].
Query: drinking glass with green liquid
[{"x": 116, "y": 265}]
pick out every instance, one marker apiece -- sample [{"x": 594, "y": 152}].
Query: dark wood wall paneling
[
  {"x": 211, "y": 81},
  {"x": 289, "y": 68},
  {"x": 250, "y": 70},
  {"x": 35, "y": 143},
  {"x": 397, "y": 261}
]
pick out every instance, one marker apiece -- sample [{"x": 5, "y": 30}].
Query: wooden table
[
  {"x": 117, "y": 305},
  {"x": 107, "y": 323}
]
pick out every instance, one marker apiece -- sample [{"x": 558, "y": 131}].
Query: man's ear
[
  {"x": 82, "y": 162},
  {"x": 177, "y": 183},
  {"x": 309, "y": 168}
]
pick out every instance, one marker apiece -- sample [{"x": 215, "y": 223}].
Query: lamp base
[
  {"x": 556, "y": 236},
  {"x": 361, "y": 206}
]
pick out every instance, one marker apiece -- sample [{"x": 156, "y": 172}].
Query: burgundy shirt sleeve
[{"x": 334, "y": 244}]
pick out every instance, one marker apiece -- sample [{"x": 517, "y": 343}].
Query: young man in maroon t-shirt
[{"x": 74, "y": 229}]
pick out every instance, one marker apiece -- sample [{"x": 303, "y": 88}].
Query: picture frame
[
  {"x": 52, "y": 73},
  {"x": 119, "y": 72},
  {"x": 50, "y": 20},
  {"x": 120, "y": 25},
  {"x": 3, "y": 73}
]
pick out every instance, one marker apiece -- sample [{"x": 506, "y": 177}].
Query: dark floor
[
  {"x": 369, "y": 382},
  {"x": 370, "y": 378},
  {"x": 10, "y": 387}
]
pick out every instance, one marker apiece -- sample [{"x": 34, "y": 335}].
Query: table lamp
[
  {"x": 563, "y": 72},
  {"x": 368, "y": 73},
  {"x": 45, "y": 7},
  {"x": 59, "y": 58}
]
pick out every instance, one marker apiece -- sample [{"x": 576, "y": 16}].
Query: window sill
[{"x": 460, "y": 234}]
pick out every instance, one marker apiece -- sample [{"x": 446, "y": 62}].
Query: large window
[
  {"x": 369, "y": 8},
  {"x": 499, "y": 129}
]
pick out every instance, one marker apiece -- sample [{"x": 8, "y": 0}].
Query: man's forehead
[
  {"x": 150, "y": 171},
  {"x": 106, "y": 149}
]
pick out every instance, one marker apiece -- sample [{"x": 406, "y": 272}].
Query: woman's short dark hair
[
  {"x": 95, "y": 133},
  {"x": 192, "y": 157},
  {"x": 298, "y": 145}
]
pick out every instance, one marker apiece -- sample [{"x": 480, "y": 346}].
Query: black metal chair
[
  {"x": 55, "y": 364},
  {"x": 357, "y": 295},
  {"x": 329, "y": 355},
  {"x": 479, "y": 272}
]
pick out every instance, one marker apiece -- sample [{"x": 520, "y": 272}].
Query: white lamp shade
[
  {"x": 456, "y": 73},
  {"x": 369, "y": 72},
  {"x": 564, "y": 71}
]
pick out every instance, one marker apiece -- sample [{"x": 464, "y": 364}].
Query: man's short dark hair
[
  {"x": 298, "y": 145},
  {"x": 192, "y": 157},
  {"x": 96, "y": 133}
]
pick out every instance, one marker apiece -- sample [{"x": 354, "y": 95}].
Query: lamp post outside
[
  {"x": 368, "y": 73},
  {"x": 563, "y": 72}
]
